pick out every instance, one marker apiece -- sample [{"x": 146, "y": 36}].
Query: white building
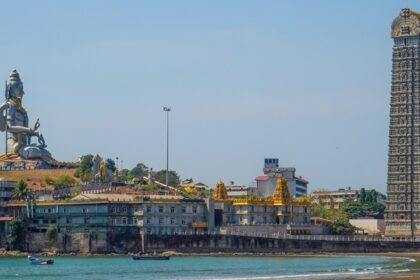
[
  {"x": 267, "y": 182},
  {"x": 237, "y": 190},
  {"x": 333, "y": 199}
]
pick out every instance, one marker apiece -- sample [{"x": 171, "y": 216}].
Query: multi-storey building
[
  {"x": 266, "y": 183},
  {"x": 403, "y": 204},
  {"x": 6, "y": 192},
  {"x": 101, "y": 216},
  {"x": 333, "y": 199}
]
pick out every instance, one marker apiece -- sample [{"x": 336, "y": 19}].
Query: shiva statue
[{"x": 15, "y": 122}]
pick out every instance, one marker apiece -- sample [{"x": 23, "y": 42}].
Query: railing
[{"x": 320, "y": 237}]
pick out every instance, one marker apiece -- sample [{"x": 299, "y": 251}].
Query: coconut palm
[{"x": 21, "y": 190}]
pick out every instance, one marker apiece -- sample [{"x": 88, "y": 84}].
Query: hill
[{"x": 36, "y": 178}]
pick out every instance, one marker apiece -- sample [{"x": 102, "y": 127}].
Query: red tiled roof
[{"x": 262, "y": 178}]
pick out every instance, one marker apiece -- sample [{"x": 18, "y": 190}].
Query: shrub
[
  {"x": 51, "y": 233},
  {"x": 16, "y": 237}
]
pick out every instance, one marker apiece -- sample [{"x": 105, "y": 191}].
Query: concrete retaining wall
[{"x": 130, "y": 243}]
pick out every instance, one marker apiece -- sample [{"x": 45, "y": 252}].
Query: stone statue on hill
[{"x": 14, "y": 121}]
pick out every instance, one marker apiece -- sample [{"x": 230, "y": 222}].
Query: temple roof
[{"x": 406, "y": 24}]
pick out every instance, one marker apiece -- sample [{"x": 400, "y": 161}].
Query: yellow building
[{"x": 280, "y": 209}]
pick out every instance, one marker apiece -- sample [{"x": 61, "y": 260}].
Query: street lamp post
[{"x": 167, "y": 110}]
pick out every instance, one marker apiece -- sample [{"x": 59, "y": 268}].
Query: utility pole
[{"x": 167, "y": 110}]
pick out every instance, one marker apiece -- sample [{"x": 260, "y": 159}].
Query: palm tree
[
  {"x": 21, "y": 190},
  {"x": 22, "y": 193}
]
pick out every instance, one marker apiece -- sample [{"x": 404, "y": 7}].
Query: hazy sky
[{"x": 305, "y": 81}]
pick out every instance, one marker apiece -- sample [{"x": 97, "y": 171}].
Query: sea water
[{"x": 199, "y": 267}]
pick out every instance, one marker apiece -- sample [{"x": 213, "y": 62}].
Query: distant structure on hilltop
[
  {"x": 267, "y": 182},
  {"x": 403, "y": 203},
  {"x": 21, "y": 152}
]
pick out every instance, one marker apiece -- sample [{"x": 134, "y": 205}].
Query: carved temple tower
[{"x": 403, "y": 204}]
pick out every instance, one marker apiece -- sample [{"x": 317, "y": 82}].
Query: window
[
  {"x": 172, "y": 209},
  {"x": 148, "y": 221},
  {"x": 148, "y": 209},
  {"x": 194, "y": 209},
  {"x": 49, "y": 210},
  {"x": 160, "y": 220},
  {"x": 85, "y": 210},
  {"x": 124, "y": 209},
  {"x": 184, "y": 209},
  {"x": 134, "y": 221},
  {"x": 114, "y": 209},
  {"x": 160, "y": 209},
  {"x": 124, "y": 220},
  {"x": 172, "y": 221},
  {"x": 183, "y": 221}
]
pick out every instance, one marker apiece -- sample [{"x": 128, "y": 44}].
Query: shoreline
[{"x": 414, "y": 254}]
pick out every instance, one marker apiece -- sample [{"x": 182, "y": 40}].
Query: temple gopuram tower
[{"x": 403, "y": 203}]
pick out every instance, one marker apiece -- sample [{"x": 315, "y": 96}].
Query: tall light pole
[{"x": 167, "y": 110}]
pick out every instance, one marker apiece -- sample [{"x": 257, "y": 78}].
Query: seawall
[{"x": 104, "y": 243}]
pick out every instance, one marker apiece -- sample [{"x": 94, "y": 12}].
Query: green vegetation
[
  {"x": 51, "y": 233},
  {"x": 339, "y": 220},
  {"x": 139, "y": 171},
  {"x": 75, "y": 191},
  {"x": 84, "y": 171},
  {"x": 21, "y": 190},
  {"x": 342, "y": 226},
  {"x": 16, "y": 236},
  {"x": 173, "y": 178},
  {"x": 110, "y": 164},
  {"x": 63, "y": 180},
  {"x": 151, "y": 187},
  {"x": 368, "y": 205}
]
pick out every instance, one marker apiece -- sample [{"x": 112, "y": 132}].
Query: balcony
[
  {"x": 138, "y": 213},
  {"x": 199, "y": 225}
]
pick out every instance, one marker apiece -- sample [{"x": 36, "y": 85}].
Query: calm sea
[{"x": 234, "y": 268}]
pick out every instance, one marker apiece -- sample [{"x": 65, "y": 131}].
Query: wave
[{"x": 327, "y": 275}]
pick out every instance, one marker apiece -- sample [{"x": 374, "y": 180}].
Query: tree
[
  {"x": 110, "y": 164},
  {"x": 16, "y": 236},
  {"x": 342, "y": 226},
  {"x": 126, "y": 174},
  {"x": 173, "y": 178},
  {"x": 84, "y": 171},
  {"x": 21, "y": 190},
  {"x": 353, "y": 209},
  {"x": 140, "y": 170},
  {"x": 362, "y": 197}
]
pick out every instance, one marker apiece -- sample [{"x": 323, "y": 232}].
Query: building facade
[
  {"x": 102, "y": 216},
  {"x": 403, "y": 190},
  {"x": 266, "y": 183},
  {"x": 7, "y": 189},
  {"x": 333, "y": 199}
]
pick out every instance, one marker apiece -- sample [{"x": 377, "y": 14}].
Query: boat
[
  {"x": 38, "y": 261},
  {"x": 150, "y": 258}
]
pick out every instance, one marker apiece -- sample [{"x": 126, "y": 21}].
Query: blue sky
[{"x": 305, "y": 81}]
